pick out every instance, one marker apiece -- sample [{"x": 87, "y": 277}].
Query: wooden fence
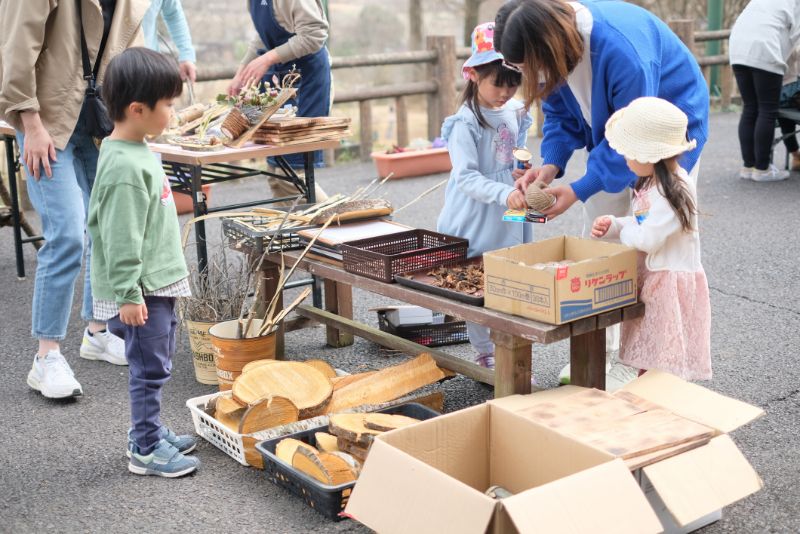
[{"x": 442, "y": 81}]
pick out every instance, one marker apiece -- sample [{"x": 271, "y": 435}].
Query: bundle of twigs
[{"x": 218, "y": 292}]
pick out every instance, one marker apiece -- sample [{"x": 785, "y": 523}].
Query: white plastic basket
[{"x": 215, "y": 432}]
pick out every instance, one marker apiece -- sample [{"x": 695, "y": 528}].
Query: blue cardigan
[{"x": 633, "y": 54}]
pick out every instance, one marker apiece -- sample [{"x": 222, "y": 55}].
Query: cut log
[
  {"x": 252, "y": 455},
  {"x": 387, "y": 384},
  {"x": 324, "y": 467},
  {"x": 228, "y": 407},
  {"x": 341, "y": 381},
  {"x": 257, "y": 363},
  {"x": 305, "y": 386},
  {"x": 359, "y": 453},
  {"x": 268, "y": 413},
  {"x": 326, "y": 442},
  {"x": 384, "y": 422},
  {"x": 350, "y": 426},
  {"x": 287, "y": 447},
  {"x": 355, "y": 465},
  {"x": 322, "y": 366}
]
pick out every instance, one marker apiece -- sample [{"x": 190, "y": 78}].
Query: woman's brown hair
[
  {"x": 674, "y": 190},
  {"x": 542, "y": 36}
]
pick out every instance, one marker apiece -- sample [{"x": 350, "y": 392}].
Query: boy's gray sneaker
[
  {"x": 164, "y": 461},
  {"x": 184, "y": 443}
]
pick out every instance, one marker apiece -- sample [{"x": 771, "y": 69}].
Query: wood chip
[
  {"x": 384, "y": 422},
  {"x": 305, "y": 386},
  {"x": 326, "y": 442},
  {"x": 268, "y": 413}
]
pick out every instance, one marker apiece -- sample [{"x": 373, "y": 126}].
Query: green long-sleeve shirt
[{"x": 133, "y": 223}]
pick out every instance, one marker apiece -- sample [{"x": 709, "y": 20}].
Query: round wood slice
[
  {"x": 326, "y": 442},
  {"x": 384, "y": 422},
  {"x": 322, "y": 366},
  {"x": 324, "y": 467},
  {"x": 350, "y": 426},
  {"x": 355, "y": 465},
  {"x": 287, "y": 447},
  {"x": 257, "y": 363},
  {"x": 305, "y": 386},
  {"x": 268, "y": 413}
]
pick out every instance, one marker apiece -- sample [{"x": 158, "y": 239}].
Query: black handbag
[{"x": 98, "y": 123}]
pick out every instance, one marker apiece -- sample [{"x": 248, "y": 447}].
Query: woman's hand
[
  {"x": 253, "y": 72},
  {"x": 545, "y": 174},
  {"x": 565, "y": 197},
  {"x": 516, "y": 200},
  {"x": 601, "y": 226},
  {"x": 38, "y": 149},
  {"x": 188, "y": 71}
]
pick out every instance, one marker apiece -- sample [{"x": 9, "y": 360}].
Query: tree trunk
[{"x": 472, "y": 10}]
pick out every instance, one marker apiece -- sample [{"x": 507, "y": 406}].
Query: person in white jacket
[
  {"x": 675, "y": 333},
  {"x": 762, "y": 39}
]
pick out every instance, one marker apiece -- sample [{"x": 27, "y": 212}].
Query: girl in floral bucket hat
[
  {"x": 674, "y": 334},
  {"x": 480, "y": 138}
]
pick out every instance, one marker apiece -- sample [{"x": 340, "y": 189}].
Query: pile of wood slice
[
  {"x": 338, "y": 456},
  {"x": 275, "y": 393},
  {"x": 282, "y": 132}
]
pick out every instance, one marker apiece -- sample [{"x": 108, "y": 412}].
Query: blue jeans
[
  {"x": 62, "y": 202},
  {"x": 149, "y": 349}
]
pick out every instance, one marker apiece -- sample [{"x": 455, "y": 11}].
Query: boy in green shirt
[{"x": 138, "y": 269}]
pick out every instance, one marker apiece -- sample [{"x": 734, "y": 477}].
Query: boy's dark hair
[
  {"x": 139, "y": 75},
  {"x": 504, "y": 76}
]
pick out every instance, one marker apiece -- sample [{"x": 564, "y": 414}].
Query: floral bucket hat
[{"x": 483, "y": 51}]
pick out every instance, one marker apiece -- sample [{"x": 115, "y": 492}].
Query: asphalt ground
[{"x": 64, "y": 466}]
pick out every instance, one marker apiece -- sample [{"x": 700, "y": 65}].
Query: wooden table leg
[
  {"x": 338, "y": 300},
  {"x": 512, "y": 356},
  {"x": 587, "y": 358},
  {"x": 270, "y": 274}
]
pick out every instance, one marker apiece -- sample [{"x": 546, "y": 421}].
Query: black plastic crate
[
  {"x": 244, "y": 233},
  {"x": 429, "y": 335},
  {"x": 329, "y": 501}
]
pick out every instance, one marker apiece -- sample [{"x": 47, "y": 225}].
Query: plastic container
[
  {"x": 430, "y": 335},
  {"x": 413, "y": 162},
  {"x": 183, "y": 201},
  {"x": 381, "y": 258},
  {"x": 213, "y": 431},
  {"x": 329, "y": 501}
]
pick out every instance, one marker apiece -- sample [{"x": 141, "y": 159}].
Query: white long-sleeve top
[
  {"x": 765, "y": 34},
  {"x": 656, "y": 230}
]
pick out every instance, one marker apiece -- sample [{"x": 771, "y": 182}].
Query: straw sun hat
[{"x": 649, "y": 130}]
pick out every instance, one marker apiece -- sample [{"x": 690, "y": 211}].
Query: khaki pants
[{"x": 282, "y": 188}]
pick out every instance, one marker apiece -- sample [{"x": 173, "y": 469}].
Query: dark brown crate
[
  {"x": 381, "y": 258},
  {"x": 430, "y": 335}
]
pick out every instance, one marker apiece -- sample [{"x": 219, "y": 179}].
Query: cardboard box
[
  {"x": 431, "y": 477},
  {"x": 602, "y": 278}
]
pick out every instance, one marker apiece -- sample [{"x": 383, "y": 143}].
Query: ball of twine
[{"x": 537, "y": 199}]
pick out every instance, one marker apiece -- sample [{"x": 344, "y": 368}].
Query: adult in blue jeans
[
  {"x": 290, "y": 34},
  {"x": 41, "y": 95}
]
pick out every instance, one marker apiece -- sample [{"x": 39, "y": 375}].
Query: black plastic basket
[
  {"x": 241, "y": 235},
  {"x": 381, "y": 258},
  {"x": 329, "y": 501},
  {"x": 430, "y": 335}
]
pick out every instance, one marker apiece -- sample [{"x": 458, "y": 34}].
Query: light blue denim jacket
[
  {"x": 481, "y": 181},
  {"x": 172, "y": 11}
]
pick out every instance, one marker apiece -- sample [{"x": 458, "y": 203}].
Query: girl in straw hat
[
  {"x": 480, "y": 138},
  {"x": 674, "y": 335}
]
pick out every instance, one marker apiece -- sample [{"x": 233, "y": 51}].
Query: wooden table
[
  {"x": 17, "y": 218},
  {"x": 189, "y": 170},
  {"x": 513, "y": 336}
]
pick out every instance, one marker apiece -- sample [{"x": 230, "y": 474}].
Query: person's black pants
[
  {"x": 788, "y": 127},
  {"x": 761, "y": 91}
]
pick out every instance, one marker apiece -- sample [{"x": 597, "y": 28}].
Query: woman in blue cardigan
[{"x": 584, "y": 61}]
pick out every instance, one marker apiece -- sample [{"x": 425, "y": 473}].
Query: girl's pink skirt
[{"x": 675, "y": 333}]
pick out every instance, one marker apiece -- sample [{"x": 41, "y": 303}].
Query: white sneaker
[
  {"x": 772, "y": 174},
  {"x": 564, "y": 375},
  {"x": 103, "y": 346},
  {"x": 746, "y": 173},
  {"x": 618, "y": 375},
  {"x": 53, "y": 377}
]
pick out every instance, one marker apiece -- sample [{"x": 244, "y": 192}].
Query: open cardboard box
[
  {"x": 602, "y": 278},
  {"x": 431, "y": 477}
]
